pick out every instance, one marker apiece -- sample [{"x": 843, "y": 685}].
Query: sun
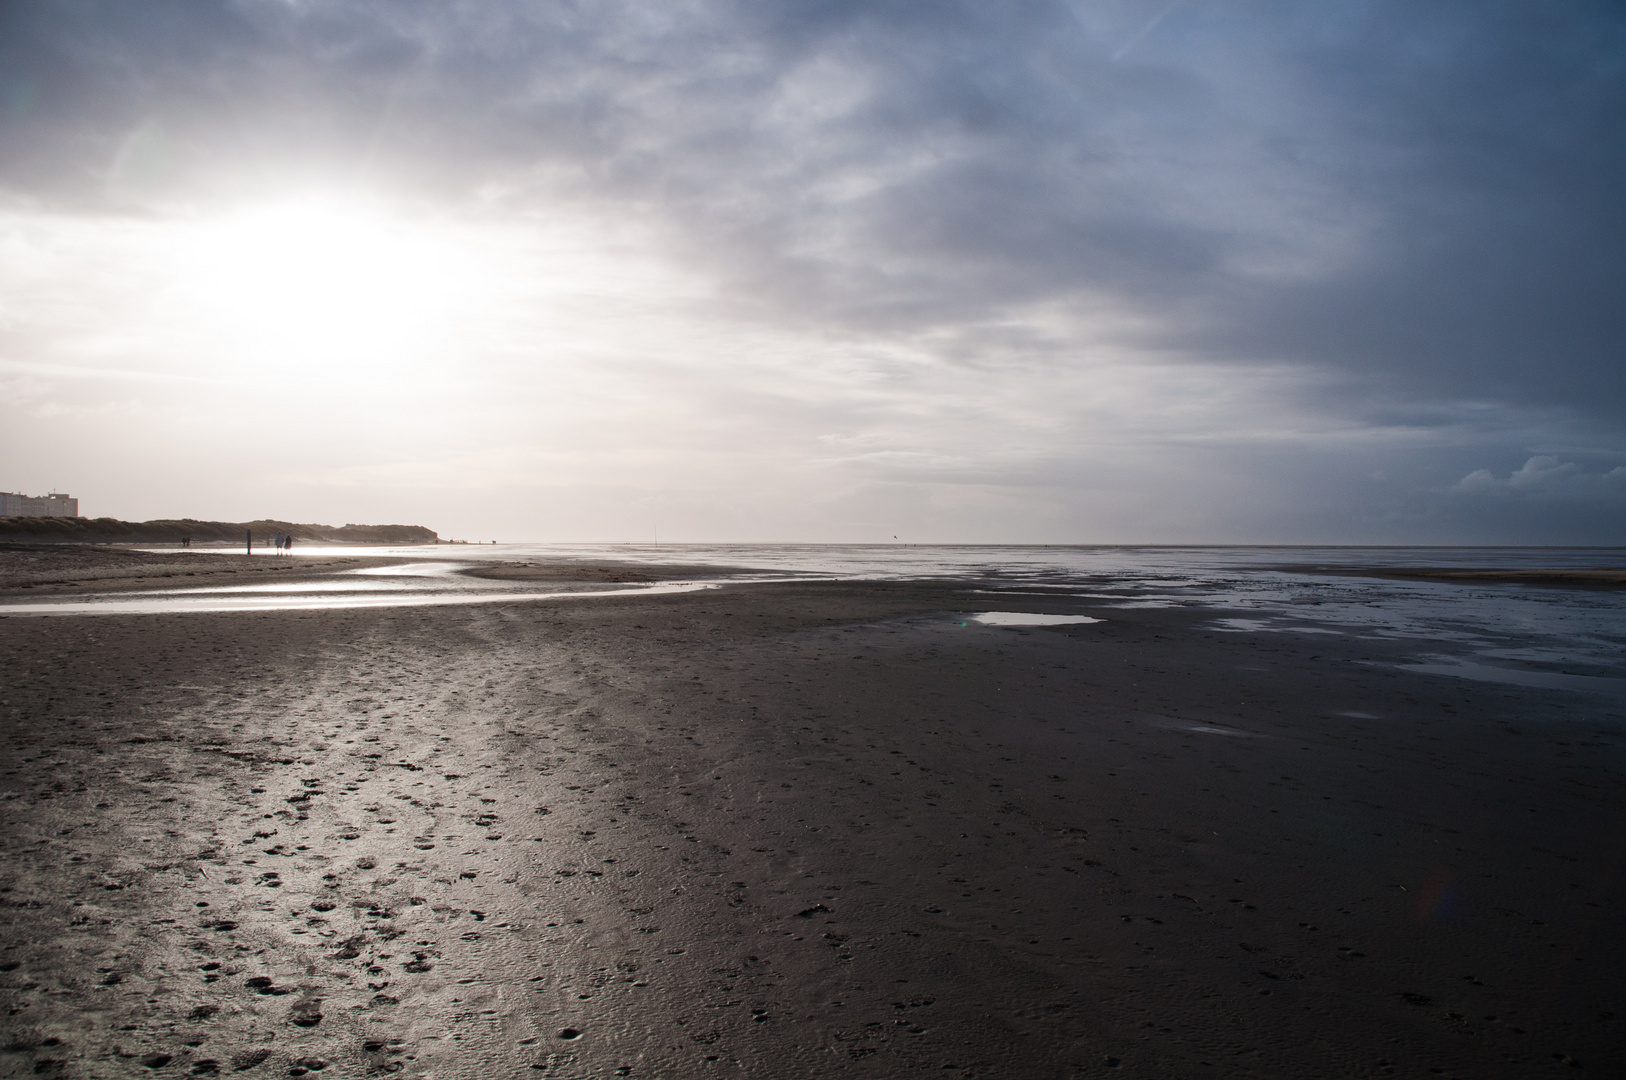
[{"x": 325, "y": 287}]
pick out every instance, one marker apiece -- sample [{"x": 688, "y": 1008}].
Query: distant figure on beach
[
  {"x": 288, "y": 544},
  {"x": 248, "y": 541}
]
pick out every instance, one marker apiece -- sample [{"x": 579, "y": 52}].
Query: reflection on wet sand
[
  {"x": 318, "y": 596},
  {"x": 789, "y": 830}
]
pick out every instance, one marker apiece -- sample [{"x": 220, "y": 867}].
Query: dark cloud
[{"x": 1494, "y": 157}]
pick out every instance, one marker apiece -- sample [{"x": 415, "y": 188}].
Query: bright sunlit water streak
[
  {"x": 325, "y": 585},
  {"x": 212, "y": 601},
  {"x": 451, "y": 570}
]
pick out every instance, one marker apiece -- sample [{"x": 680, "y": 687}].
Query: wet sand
[
  {"x": 794, "y": 830},
  {"x": 557, "y": 572},
  {"x": 1561, "y": 577},
  {"x": 39, "y": 571}
]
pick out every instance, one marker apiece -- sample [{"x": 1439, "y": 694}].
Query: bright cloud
[{"x": 1545, "y": 474}]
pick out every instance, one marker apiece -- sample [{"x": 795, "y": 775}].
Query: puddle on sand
[{"x": 1025, "y": 618}]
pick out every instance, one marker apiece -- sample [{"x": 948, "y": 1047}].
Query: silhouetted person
[{"x": 288, "y": 544}]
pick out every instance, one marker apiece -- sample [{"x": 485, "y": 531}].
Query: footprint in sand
[{"x": 306, "y": 1013}]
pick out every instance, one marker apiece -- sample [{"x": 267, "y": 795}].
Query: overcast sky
[{"x": 1059, "y": 271}]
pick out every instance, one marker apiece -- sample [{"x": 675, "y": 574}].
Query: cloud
[
  {"x": 1545, "y": 474},
  {"x": 968, "y": 243},
  {"x": 1304, "y": 189}
]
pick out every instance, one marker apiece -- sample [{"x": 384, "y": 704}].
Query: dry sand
[{"x": 793, "y": 831}]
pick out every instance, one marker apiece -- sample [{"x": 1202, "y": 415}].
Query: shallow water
[
  {"x": 1473, "y": 630},
  {"x": 1551, "y": 680},
  {"x": 316, "y": 597}
]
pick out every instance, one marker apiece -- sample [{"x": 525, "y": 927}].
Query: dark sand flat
[{"x": 794, "y": 830}]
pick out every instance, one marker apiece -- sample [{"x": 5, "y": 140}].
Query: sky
[{"x": 1127, "y": 271}]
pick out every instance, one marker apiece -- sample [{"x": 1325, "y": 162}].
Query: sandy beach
[{"x": 791, "y": 830}]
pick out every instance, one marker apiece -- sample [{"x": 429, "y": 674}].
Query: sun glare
[{"x": 340, "y": 290}]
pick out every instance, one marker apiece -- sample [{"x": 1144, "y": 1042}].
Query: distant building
[{"x": 53, "y": 505}]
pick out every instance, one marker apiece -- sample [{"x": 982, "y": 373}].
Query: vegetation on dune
[{"x": 111, "y": 530}]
